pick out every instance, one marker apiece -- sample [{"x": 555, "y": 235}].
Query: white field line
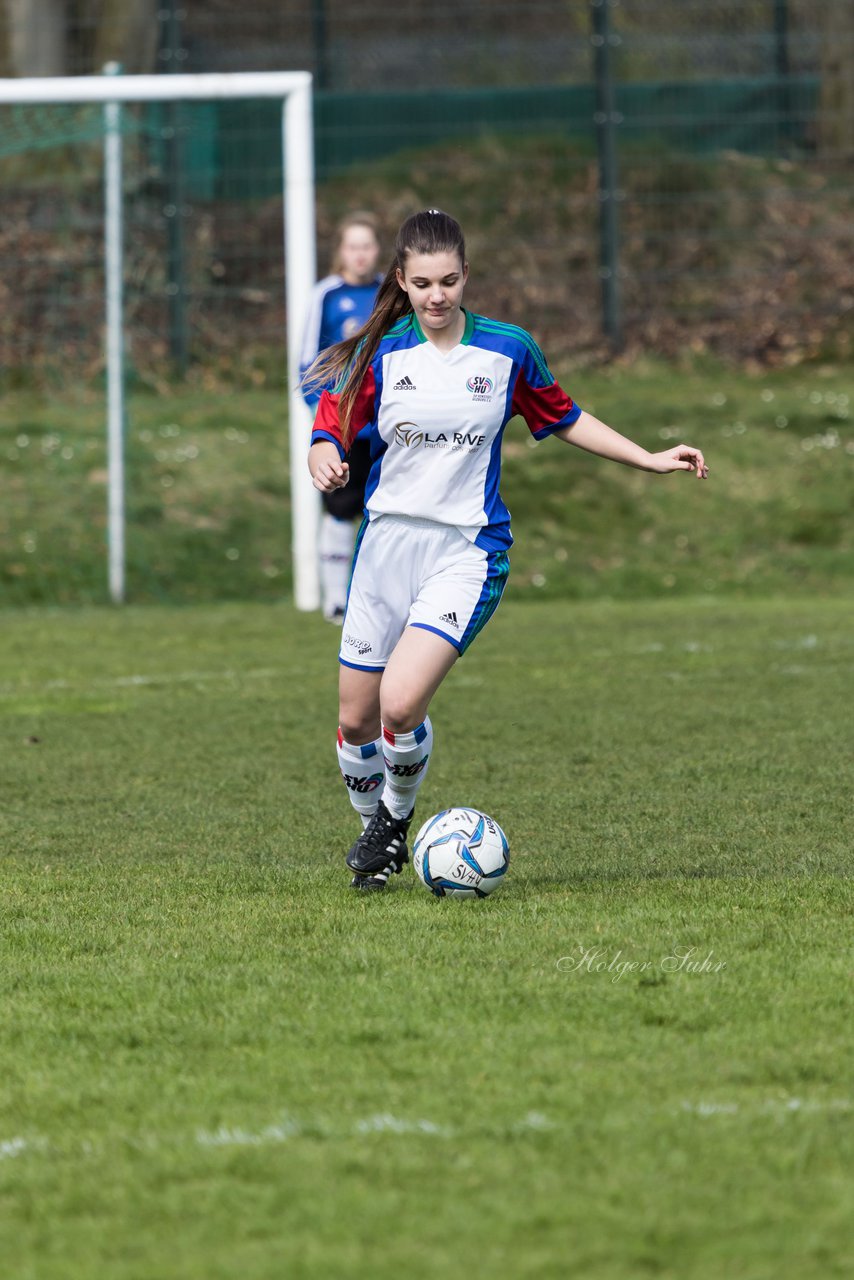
[
  {"x": 8, "y": 689},
  {"x": 381, "y": 1122},
  {"x": 227, "y": 1137},
  {"x": 772, "y": 1106},
  {"x": 282, "y": 1131},
  {"x": 11, "y": 1147},
  {"x": 289, "y": 1128}
]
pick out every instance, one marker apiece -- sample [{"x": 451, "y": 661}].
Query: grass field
[
  {"x": 208, "y": 491},
  {"x": 634, "y": 1060}
]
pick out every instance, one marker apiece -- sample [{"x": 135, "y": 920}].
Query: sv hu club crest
[{"x": 480, "y": 386}]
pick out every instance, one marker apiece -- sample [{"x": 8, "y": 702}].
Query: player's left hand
[{"x": 682, "y": 457}]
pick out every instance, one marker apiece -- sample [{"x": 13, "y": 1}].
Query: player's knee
[
  {"x": 358, "y": 727},
  {"x": 359, "y": 720},
  {"x": 400, "y": 712}
]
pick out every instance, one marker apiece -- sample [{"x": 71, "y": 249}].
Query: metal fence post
[
  {"x": 173, "y": 54},
  {"x": 605, "y": 119},
  {"x": 782, "y": 69},
  {"x": 113, "y": 269},
  {"x": 321, "y": 44}
]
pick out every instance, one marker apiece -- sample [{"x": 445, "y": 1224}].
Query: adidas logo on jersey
[
  {"x": 405, "y": 384},
  {"x": 451, "y": 619}
]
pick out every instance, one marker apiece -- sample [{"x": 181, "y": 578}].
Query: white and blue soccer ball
[{"x": 461, "y": 853}]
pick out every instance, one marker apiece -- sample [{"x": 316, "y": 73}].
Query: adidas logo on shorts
[
  {"x": 405, "y": 384},
  {"x": 451, "y": 619}
]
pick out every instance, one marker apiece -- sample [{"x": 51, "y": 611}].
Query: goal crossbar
[
  {"x": 294, "y": 89},
  {"x": 121, "y": 88}
]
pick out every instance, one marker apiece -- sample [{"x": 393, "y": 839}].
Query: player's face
[
  {"x": 435, "y": 284},
  {"x": 358, "y": 254}
]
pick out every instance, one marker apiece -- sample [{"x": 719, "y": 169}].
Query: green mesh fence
[
  {"x": 28, "y": 128},
  {"x": 732, "y": 228}
]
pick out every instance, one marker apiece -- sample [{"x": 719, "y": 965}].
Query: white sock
[
  {"x": 336, "y": 551},
  {"x": 363, "y": 771},
  {"x": 407, "y": 756}
]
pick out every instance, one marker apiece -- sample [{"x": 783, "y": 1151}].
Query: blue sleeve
[{"x": 315, "y": 340}]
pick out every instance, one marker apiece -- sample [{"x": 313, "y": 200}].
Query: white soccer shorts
[{"x": 417, "y": 573}]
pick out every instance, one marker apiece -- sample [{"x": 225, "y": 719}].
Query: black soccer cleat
[
  {"x": 371, "y": 884},
  {"x": 380, "y": 850}
]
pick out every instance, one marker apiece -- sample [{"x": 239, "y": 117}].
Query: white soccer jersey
[{"x": 435, "y": 422}]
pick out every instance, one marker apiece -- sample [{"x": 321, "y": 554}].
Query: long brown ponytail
[{"x": 344, "y": 365}]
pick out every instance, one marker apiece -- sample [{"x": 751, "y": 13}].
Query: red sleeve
[
  {"x": 326, "y": 424},
  {"x": 545, "y": 409}
]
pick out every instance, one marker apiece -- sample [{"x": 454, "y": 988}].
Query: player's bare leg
[
  {"x": 359, "y": 704},
  {"x": 419, "y": 664}
]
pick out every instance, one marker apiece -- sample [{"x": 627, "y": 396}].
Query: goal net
[{"x": 157, "y": 228}]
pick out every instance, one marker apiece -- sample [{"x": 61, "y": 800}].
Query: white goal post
[{"x": 294, "y": 89}]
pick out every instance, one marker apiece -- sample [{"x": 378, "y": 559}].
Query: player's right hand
[{"x": 330, "y": 476}]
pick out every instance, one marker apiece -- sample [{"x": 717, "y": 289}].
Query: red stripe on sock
[
  {"x": 340, "y": 737},
  {"x": 388, "y": 735}
]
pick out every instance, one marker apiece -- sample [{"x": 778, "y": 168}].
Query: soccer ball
[{"x": 461, "y": 853}]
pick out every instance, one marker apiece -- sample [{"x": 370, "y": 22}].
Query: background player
[
  {"x": 340, "y": 305},
  {"x": 435, "y": 387}
]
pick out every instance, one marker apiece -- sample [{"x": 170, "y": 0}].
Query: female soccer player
[
  {"x": 433, "y": 387},
  {"x": 340, "y": 305}
]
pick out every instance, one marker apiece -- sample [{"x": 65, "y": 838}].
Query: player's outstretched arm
[
  {"x": 327, "y": 470},
  {"x": 594, "y": 436}
]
